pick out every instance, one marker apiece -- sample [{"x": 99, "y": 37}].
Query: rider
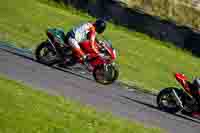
[
  {"x": 85, "y": 31},
  {"x": 196, "y": 83},
  {"x": 196, "y": 94}
]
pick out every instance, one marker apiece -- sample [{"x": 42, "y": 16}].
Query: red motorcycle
[
  {"x": 54, "y": 51},
  {"x": 183, "y": 99}
]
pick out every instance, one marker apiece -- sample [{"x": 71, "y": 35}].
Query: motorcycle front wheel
[
  {"x": 105, "y": 74},
  {"x": 166, "y": 100}
]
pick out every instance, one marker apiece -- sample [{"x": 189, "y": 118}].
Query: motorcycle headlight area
[{"x": 115, "y": 53}]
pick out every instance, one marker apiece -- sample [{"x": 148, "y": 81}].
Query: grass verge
[
  {"x": 144, "y": 62},
  {"x": 23, "y": 110}
]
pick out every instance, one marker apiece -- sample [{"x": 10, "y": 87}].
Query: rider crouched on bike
[
  {"x": 85, "y": 31},
  {"x": 196, "y": 94}
]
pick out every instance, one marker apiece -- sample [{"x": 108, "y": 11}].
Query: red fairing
[
  {"x": 87, "y": 48},
  {"x": 180, "y": 76},
  {"x": 111, "y": 52},
  {"x": 182, "y": 79}
]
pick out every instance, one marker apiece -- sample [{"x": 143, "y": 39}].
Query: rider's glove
[
  {"x": 101, "y": 55},
  {"x": 85, "y": 58}
]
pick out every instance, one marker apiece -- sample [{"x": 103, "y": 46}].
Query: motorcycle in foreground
[
  {"x": 174, "y": 99},
  {"x": 54, "y": 50}
]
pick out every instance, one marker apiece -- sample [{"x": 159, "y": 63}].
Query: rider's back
[{"x": 81, "y": 31}]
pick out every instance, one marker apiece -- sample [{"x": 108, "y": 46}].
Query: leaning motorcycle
[
  {"x": 173, "y": 99},
  {"x": 54, "y": 50}
]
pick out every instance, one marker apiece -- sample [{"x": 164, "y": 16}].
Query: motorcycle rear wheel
[{"x": 49, "y": 57}]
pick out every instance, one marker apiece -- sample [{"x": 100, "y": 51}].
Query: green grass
[
  {"x": 24, "y": 110},
  {"x": 143, "y": 61}
]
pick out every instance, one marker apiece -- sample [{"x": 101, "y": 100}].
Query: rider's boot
[
  {"x": 86, "y": 62},
  {"x": 79, "y": 54},
  {"x": 83, "y": 58}
]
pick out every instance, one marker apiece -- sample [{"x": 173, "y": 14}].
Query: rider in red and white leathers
[{"x": 86, "y": 31}]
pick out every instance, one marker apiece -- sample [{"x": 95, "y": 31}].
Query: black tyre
[
  {"x": 166, "y": 100},
  {"x": 45, "y": 54},
  {"x": 103, "y": 76}
]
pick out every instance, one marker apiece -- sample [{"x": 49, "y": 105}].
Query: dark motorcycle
[{"x": 183, "y": 99}]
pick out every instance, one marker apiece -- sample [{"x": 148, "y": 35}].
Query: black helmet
[
  {"x": 196, "y": 82},
  {"x": 100, "y": 26}
]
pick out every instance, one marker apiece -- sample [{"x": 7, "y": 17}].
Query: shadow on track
[
  {"x": 54, "y": 67},
  {"x": 155, "y": 107}
]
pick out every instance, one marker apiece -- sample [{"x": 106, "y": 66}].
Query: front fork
[
  {"x": 106, "y": 67},
  {"x": 178, "y": 100}
]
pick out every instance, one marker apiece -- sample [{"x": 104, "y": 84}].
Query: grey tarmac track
[{"x": 134, "y": 105}]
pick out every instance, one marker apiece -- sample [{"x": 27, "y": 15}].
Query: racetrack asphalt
[{"x": 78, "y": 85}]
